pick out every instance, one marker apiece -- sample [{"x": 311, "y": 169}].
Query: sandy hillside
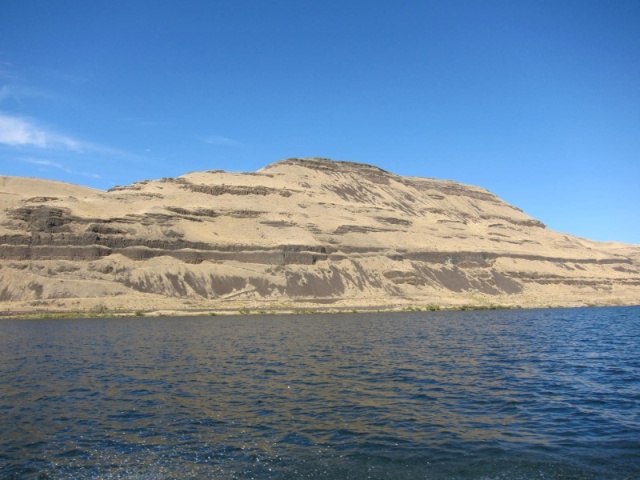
[{"x": 300, "y": 233}]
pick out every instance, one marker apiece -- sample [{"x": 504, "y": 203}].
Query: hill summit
[{"x": 297, "y": 234}]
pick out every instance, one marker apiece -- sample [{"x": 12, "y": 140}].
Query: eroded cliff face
[{"x": 298, "y": 232}]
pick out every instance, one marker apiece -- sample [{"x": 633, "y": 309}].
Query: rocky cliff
[{"x": 299, "y": 233}]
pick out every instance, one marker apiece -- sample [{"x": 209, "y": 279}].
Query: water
[{"x": 540, "y": 394}]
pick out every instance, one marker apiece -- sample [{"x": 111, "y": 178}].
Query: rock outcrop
[{"x": 299, "y": 232}]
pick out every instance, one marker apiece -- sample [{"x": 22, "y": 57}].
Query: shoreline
[{"x": 225, "y": 312}]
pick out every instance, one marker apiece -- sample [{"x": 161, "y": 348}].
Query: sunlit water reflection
[{"x": 493, "y": 395}]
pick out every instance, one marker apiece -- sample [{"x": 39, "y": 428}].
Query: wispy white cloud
[
  {"x": 13, "y": 88},
  {"x": 46, "y": 163},
  {"x": 222, "y": 141},
  {"x": 5, "y": 92},
  {"x": 51, "y": 164},
  {"x": 67, "y": 77},
  {"x": 17, "y": 93},
  {"x": 18, "y": 132},
  {"x": 141, "y": 122}
]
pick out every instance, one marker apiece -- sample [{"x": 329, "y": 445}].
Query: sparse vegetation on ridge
[{"x": 299, "y": 235}]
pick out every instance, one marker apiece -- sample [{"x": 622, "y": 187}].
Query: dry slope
[{"x": 299, "y": 232}]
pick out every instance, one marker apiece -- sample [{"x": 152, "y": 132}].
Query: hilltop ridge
[{"x": 298, "y": 232}]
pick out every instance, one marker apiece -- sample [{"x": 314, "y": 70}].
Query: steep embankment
[{"x": 299, "y": 232}]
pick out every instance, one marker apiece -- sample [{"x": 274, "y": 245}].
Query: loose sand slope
[{"x": 298, "y": 233}]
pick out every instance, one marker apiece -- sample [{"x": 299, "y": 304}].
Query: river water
[{"x": 527, "y": 394}]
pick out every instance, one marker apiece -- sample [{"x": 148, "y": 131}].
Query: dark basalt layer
[{"x": 295, "y": 250}]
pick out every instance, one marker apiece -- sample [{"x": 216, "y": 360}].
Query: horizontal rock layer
[{"x": 300, "y": 230}]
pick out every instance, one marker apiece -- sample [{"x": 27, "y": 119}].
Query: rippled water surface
[{"x": 540, "y": 394}]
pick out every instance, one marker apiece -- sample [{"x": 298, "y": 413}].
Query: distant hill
[{"x": 297, "y": 234}]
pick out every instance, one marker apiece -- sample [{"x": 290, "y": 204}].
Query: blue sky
[{"x": 536, "y": 100}]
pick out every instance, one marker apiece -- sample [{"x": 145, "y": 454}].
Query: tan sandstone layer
[{"x": 297, "y": 234}]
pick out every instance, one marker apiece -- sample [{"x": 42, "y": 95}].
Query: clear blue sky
[{"x": 536, "y": 100}]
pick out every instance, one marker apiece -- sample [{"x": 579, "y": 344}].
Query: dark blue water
[{"x": 541, "y": 394}]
